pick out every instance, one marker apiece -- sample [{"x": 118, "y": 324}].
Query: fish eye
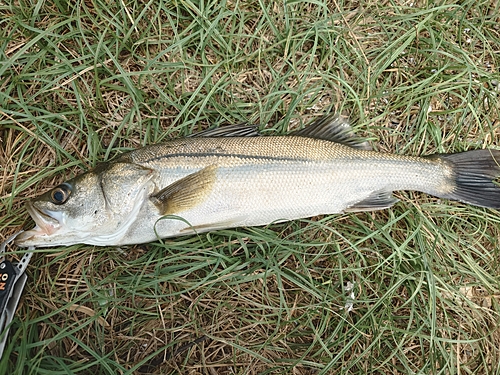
[{"x": 60, "y": 194}]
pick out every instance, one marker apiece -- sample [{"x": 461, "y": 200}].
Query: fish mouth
[{"x": 45, "y": 225}]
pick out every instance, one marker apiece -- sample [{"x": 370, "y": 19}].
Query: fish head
[{"x": 95, "y": 208}]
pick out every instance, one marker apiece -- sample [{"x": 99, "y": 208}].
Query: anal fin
[
  {"x": 378, "y": 200},
  {"x": 185, "y": 193}
]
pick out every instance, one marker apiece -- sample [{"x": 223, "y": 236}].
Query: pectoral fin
[
  {"x": 378, "y": 200},
  {"x": 185, "y": 193}
]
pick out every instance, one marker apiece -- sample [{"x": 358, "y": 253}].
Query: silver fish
[{"x": 235, "y": 178}]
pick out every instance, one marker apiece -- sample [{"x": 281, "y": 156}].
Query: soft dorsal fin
[
  {"x": 333, "y": 128},
  {"x": 238, "y": 130}
]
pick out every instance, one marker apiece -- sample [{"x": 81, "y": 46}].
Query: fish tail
[{"x": 476, "y": 177}]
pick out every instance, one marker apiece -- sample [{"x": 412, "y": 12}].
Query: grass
[{"x": 83, "y": 81}]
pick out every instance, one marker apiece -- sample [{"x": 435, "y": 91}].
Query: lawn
[{"x": 412, "y": 289}]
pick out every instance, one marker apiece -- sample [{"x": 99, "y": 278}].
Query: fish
[{"x": 235, "y": 177}]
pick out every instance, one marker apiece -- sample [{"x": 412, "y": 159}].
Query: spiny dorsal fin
[
  {"x": 238, "y": 130},
  {"x": 378, "y": 200},
  {"x": 333, "y": 128},
  {"x": 185, "y": 193}
]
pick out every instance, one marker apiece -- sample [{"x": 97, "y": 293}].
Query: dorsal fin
[
  {"x": 333, "y": 128},
  {"x": 238, "y": 130}
]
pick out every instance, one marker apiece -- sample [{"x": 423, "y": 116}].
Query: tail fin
[{"x": 477, "y": 177}]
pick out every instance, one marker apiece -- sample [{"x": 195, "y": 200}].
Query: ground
[{"x": 412, "y": 289}]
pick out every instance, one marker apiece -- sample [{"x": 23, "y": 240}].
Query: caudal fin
[{"x": 477, "y": 177}]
